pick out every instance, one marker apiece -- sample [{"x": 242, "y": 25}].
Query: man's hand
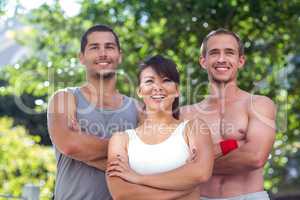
[{"x": 218, "y": 151}]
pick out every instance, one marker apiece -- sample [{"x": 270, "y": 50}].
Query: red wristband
[{"x": 228, "y": 145}]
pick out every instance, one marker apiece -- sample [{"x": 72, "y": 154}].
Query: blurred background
[{"x": 39, "y": 46}]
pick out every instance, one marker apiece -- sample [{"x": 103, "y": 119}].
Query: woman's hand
[{"x": 120, "y": 167}]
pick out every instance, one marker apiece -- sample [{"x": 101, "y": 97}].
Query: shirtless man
[{"x": 232, "y": 113}]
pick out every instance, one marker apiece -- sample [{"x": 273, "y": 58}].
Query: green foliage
[
  {"x": 23, "y": 161},
  {"x": 269, "y": 29}
]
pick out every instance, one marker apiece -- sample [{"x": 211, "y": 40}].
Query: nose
[
  {"x": 102, "y": 52},
  {"x": 221, "y": 58},
  {"x": 157, "y": 87}
]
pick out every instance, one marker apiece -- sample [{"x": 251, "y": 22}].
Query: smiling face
[
  {"x": 222, "y": 59},
  {"x": 101, "y": 55},
  {"x": 158, "y": 92}
]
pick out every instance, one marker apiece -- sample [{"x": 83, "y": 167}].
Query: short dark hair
[
  {"x": 97, "y": 28},
  {"x": 221, "y": 31},
  {"x": 163, "y": 67}
]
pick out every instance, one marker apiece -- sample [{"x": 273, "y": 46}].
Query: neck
[
  {"x": 159, "y": 117},
  {"x": 223, "y": 91},
  {"x": 101, "y": 86}
]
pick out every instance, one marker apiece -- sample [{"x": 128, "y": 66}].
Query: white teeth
[
  {"x": 158, "y": 97},
  {"x": 102, "y": 63},
  {"x": 222, "y": 68}
]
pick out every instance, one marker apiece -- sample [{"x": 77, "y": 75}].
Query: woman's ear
[
  {"x": 138, "y": 92},
  {"x": 177, "y": 91}
]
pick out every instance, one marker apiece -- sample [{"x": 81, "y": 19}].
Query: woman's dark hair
[{"x": 165, "y": 68}]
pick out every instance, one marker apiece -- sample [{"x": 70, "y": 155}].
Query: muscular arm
[
  {"x": 99, "y": 164},
  {"x": 259, "y": 140},
  {"x": 122, "y": 190},
  {"x": 192, "y": 173},
  {"x": 73, "y": 143}
]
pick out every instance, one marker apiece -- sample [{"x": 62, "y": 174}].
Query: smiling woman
[
  {"x": 158, "y": 85},
  {"x": 164, "y": 158}
]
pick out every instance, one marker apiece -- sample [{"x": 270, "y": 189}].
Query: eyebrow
[
  {"x": 93, "y": 44},
  {"x": 148, "y": 76},
  {"x": 229, "y": 49},
  {"x": 212, "y": 50},
  {"x": 107, "y": 43},
  {"x": 226, "y": 49},
  {"x": 110, "y": 43}
]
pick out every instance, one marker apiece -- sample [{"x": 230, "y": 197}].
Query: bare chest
[
  {"x": 229, "y": 122},
  {"x": 232, "y": 124}
]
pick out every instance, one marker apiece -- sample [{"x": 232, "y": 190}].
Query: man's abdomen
[{"x": 230, "y": 186}]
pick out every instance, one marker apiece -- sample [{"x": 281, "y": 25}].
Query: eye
[
  {"x": 213, "y": 52},
  {"x": 94, "y": 47},
  {"x": 149, "y": 81},
  {"x": 110, "y": 47},
  {"x": 167, "y": 80}
]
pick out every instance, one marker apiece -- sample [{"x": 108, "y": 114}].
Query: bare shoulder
[
  {"x": 262, "y": 105},
  {"x": 61, "y": 101},
  {"x": 119, "y": 137},
  {"x": 188, "y": 112},
  {"x": 118, "y": 144},
  {"x": 197, "y": 125}
]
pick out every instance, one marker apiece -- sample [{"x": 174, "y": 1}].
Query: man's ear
[
  {"x": 81, "y": 58},
  {"x": 202, "y": 62},
  {"x": 242, "y": 61},
  {"x": 120, "y": 57}
]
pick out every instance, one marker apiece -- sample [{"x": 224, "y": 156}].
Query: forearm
[
  {"x": 217, "y": 151},
  {"x": 99, "y": 164},
  {"x": 122, "y": 190},
  {"x": 75, "y": 143},
  {"x": 183, "y": 178},
  {"x": 84, "y": 147},
  {"x": 237, "y": 161}
]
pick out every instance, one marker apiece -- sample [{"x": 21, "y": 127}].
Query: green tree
[
  {"x": 269, "y": 29},
  {"x": 23, "y": 161}
]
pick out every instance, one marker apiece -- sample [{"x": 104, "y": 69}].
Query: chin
[
  {"x": 106, "y": 74},
  {"x": 221, "y": 79},
  {"x": 159, "y": 108}
]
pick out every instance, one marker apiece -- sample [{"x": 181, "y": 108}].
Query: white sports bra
[{"x": 156, "y": 158}]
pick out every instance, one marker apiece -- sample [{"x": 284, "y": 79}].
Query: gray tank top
[{"x": 75, "y": 180}]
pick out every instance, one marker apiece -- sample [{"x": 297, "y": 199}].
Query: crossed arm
[
  {"x": 259, "y": 140},
  {"x": 69, "y": 140},
  {"x": 174, "y": 183}
]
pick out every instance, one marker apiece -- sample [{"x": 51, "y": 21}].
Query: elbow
[
  {"x": 68, "y": 149},
  {"x": 120, "y": 196},
  {"x": 258, "y": 162},
  {"x": 203, "y": 177}
]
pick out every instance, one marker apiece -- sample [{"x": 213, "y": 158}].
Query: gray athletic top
[{"x": 75, "y": 180}]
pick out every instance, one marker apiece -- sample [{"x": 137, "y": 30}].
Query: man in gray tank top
[{"x": 82, "y": 119}]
